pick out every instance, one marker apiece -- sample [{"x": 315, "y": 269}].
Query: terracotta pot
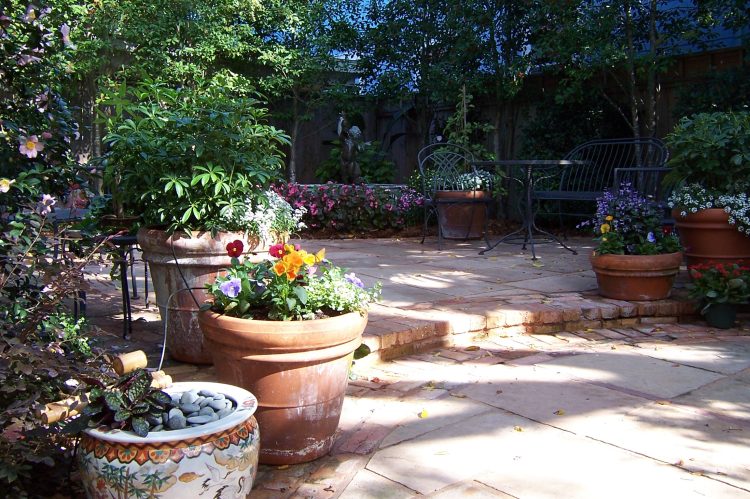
[
  {"x": 178, "y": 262},
  {"x": 721, "y": 315},
  {"x": 707, "y": 236},
  {"x": 461, "y": 220},
  {"x": 218, "y": 458},
  {"x": 636, "y": 277},
  {"x": 297, "y": 369}
]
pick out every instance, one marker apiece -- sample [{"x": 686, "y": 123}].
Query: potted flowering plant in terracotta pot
[
  {"x": 636, "y": 258},
  {"x": 196, "y": 164},
  {"x": 286, "y": 329},
  {"x": 720, "y": 287},
  {"x": 711, "y": 178}
]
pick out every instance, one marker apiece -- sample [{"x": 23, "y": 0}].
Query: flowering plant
[
  {"x": 352, "y": 207},
  {"x": 626, "y": 223},
  {"x": 292, "y": 285},
  {"x": 719, "y": 283},
  {"x": 269, "y": 217},
  {"x": 478, "y": 180},
  {"x": 692, "y": 198}
]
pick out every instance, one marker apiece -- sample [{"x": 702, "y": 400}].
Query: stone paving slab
[
  {"x": 642, "y": 374},
  {"x": 694, "y": 440},
  {"x": 729, "y": 397},
  {"x": 718, "y": 356}
]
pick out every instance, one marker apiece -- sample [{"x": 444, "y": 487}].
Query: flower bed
[{"x": 360, "y": 207}]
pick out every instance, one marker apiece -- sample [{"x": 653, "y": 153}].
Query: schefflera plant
[{"x": 129, "y": 404}]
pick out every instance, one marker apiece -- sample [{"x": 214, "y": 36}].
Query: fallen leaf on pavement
[
  {"x": 422, "y": 414},
  {"x": 472, "y": 348},
  {"x": 458, "y": 395},
  {"x": 560, "y": 412},
  {"x": 517, "y": 428}
]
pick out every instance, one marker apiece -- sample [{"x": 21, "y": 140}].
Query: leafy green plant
[
  {"x": 185, "y": 157},
  {"x": 373, "y": 162},
  {"x": 128, "y": 404},
  {"x": 711, "y": 149},
  {"x": 293, "y": 285},
  {"x": 714, "y": 283},
  {"x": 627, "y": 223}
]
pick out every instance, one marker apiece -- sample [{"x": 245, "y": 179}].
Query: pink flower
[
  {"x": 30, "y": 146},
  {"x": 277, "y": 250},
  {"x": 46, "y": 135},
  {"x": 44, "y": 207}
]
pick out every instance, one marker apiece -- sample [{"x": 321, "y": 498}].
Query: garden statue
[{"x": 350, "y": 138}]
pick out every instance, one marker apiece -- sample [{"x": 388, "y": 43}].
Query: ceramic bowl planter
[
  {"x": 177, "y": 262},
  {"x": 707, "y": 237},
  {"x": 297, "y": 369},
  {"x": 462, "y": 214},
  {"x": 218, "y": 458},
  {"x": 636, "y": 277}
]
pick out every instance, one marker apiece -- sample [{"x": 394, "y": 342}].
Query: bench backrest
[
  {"x": 596, "y": 161},
  {"x": 441, "y": 165}
]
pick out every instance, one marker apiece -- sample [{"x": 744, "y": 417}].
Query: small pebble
[
  {"x": 165, "y": 418},
  {"x": 189, "y": 397},
  {"x": 198, "y": 419},
  {"x": 217, "y": 404},
  {"x": 177, "y": 422},
  {"x": 206, "y": 411},
  {"x": 158, "y": 427},
  {"x": 174, "y": 412},
  {"x": 188, "y": 408},
  {"x": 219, "y": 396},
  {"x": 204, "y": 402},
  {"x": 207, "y": 393}
]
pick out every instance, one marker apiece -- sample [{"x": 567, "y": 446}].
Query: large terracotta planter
[
  {"x": 212, "y": 460},
  {"x": 178, "y": 262},
  {"x": 462, "y": 214},
  {"x": 636, "y": 277},
  {"x": 707, "y": 236},
  {"x": 297, "y": 369}
]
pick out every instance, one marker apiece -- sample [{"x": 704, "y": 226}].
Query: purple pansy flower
[
  {"x": 231, "y": 288},
  {"x": 651, "y": 237},
  {"x": 354, "y": 280}
]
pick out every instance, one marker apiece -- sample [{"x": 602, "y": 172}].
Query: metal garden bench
[{"x": 600, "y": 164}]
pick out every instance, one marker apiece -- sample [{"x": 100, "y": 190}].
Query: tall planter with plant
[
  {"x": 286, "y": 329},
  {"x": 711, "y": 173},
  {"x": 636, "y": 259},
  {"x": 194, "y": 163}
]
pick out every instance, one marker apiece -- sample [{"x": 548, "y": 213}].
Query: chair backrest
[
  {"x": 596, "y": 161},
  {"x": 441, "y": 165}
]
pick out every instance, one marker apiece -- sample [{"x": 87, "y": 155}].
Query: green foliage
[
  {"x": 294, "y": 285},
  {"x": 129, "y": 404},
  {"x": 344, "y": 207},
  {"x": 464, "y": 132},
  {"x": 184, "y": 156},
  {"x": 626, "y": 223},
  {"x": 373, "y": 162},
  {"x": 557, "y": 127},
  {"x": 715, "y": 282},
  {"x": 726, "y": 90},
  {"x": 712, "y": 149}
]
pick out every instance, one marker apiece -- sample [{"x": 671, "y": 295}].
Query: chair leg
[{"x": 424, "y": 226}]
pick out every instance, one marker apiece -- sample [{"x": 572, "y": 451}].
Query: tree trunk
[
  {"x": 632, "y": 84},
  {"x": 651, "y": 83},
  {"x": 291, "y": 170}
]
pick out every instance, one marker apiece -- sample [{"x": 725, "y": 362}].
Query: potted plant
[
  {"x": 711, "y": 174},
  {"x": 720, "y": 287},
  {"x": 461, "y": 200},
  {"x": 196, "y": 165},
  {"x": 286, "y": 329},
  {"x": 636, "y": 259},
  {"x": 142, "y": 441}
]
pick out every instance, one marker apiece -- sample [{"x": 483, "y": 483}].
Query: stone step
[{"x": 393, "y": 332}]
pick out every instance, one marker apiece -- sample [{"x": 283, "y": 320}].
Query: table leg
[{"x": 127, "y": 327}]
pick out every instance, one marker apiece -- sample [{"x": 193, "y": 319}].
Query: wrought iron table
[{"x": 525, "y": 235}]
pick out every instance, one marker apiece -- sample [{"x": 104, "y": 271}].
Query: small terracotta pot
[
  {"x": 707, "y": 236},
  {"x": 636, "y": 277},
  {"x": 462, "y": 220},
  {"x": 297, "y": 369}
]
